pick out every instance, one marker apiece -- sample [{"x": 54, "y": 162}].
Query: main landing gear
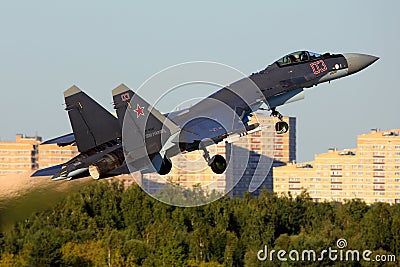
[
  {"x": 217, "y": 163},
  {"x": 281, "y": 126},
  {"x": 166, "y": 166}
]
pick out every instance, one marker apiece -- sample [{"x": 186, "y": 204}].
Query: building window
[
  {"x": 379, "y": 180},
  {"x": 336, "y": 173},
  {"x": 336, "y": 186},
  {"x": 336, "y": 167},
  {"x": 378, "y": 167},
  {"x": 379, "y": 187},
  {"x": 294, "y": 180},
  {"x": 379, "y": 161}
]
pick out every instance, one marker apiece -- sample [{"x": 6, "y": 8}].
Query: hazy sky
[{"x": 47, "y": 46}]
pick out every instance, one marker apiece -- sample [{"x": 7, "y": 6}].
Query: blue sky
[{"x": 47, "y": 46}]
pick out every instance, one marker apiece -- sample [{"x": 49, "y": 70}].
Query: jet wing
[
  {"x": 210, "y": 119},
  {"x": 202, "y": 128},
  {"x": 220, "y": 114}
]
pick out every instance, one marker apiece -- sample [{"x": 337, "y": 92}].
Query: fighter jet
[{"x": 141, "y": 138}]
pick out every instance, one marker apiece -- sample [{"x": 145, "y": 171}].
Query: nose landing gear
[{"x": 281, "y": 126}]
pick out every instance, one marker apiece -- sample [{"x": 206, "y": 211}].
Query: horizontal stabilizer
[
  {"x": 47, "y": 171},
  {"x": 64, "y": 140}
]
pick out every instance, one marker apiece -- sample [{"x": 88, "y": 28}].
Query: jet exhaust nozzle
[{"x": 107, "y": 163}]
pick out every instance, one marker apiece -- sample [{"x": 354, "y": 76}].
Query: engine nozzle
[{"x": 107, "y": 163}]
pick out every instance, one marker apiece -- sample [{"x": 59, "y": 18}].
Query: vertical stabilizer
[
  {"x": 92, "y": 124},
  {"x": 147, "y": 127}
]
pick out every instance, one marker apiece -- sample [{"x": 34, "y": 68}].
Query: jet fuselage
[{"x": 99, "y": 135}]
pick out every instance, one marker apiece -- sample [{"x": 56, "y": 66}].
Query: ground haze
[{"x": 21, "y": 195}]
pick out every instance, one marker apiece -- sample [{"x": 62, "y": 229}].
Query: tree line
[{"x": 104, "y": 224}]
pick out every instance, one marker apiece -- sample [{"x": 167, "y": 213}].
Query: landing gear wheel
[
  {"x": 281, "y": 127},
  {"x": 166, "y": 166},
  {"x": 218, "y": 164}
]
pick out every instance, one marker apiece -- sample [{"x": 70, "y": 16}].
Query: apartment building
[
  {"x": 19, "y": 156},
  {"x": 51, "y": 154},
  {"x": 370, "y": 172},
  {"x": 26, "y": 154}
]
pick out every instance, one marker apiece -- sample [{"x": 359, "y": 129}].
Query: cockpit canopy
[{"x": 297, "y": 57}]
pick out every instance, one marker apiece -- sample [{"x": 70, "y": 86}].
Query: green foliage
[{"x": 105, "y": 225}]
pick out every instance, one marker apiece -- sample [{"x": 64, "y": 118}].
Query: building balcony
[{"x": 295, "y": 188}]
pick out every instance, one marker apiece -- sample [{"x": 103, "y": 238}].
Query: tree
[
  {"x": 88, "y": 253},
  {"x": 376, "y": 226}
]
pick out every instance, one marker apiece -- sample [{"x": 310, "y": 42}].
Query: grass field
[{"x": 22, "y": 195}]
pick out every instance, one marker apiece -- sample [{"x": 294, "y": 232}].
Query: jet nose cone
[{"x": 357, "y": 62}]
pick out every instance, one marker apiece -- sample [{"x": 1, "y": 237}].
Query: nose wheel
[{"x": 281, "y": 126}]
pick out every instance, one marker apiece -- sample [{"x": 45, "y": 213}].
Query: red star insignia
[{"x": 139, "y": 111}]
